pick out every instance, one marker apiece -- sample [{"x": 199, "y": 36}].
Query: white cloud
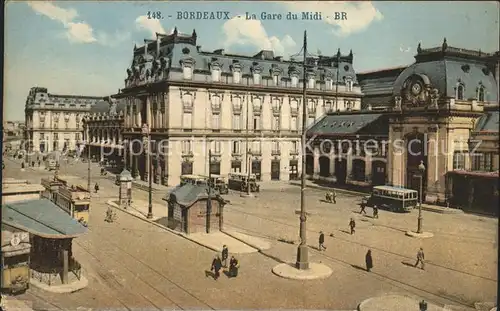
[
  {"x": 240, "y": 31},
  {"x": 151, "y": 25},
  {"x": 359, "y": 14},
  {"x": 76, "y": 32}
]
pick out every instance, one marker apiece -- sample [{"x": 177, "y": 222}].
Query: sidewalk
[
  {"x": 144, "y": 185},
  {"x": 425, "y": 207},
  {"x": 10, "y": 303},
  {"x": 237, "y": 242},
  {"x": 399, "y": 302}
]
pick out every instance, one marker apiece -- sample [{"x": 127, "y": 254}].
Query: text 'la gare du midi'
[{"x": 262, "y": 15}]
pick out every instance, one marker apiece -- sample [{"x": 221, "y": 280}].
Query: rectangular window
[
  {"x": 236, "y": 77},
  {"x": 77, "y": 136},
  {"x": 256, "y": 147},
  {"x": 256, "y": 123},
  {"x": 236, "y": 122},
  {"x": 312, "y": 83},
  {"x": 276, "y": 123},
  {"x": 216, "y": 146},
  {"x": 187, "y": 120},
  {"x": 186, "y": 147},
  {"x": 276, "y": 146},
  {"x": 459, "y": 160},
  {"x": 188, "y": 73},
  {"x": 295, "y": 81},
  {"x": 328, "y": 84},
  {"x": 276, "y": 80},
  {"x": 216, "y": 121},
  {"x": 256, "y": 79},
  {"x": 295, "y": 147},
  {"x": 216, "y": 75},
  {"x": 349, "y": 85},
  {"x": 236, "y": 147},
  {"x": 294, "y": 123}
]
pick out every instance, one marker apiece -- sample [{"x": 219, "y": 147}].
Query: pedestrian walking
[
  {"x": 96, "y": 187},
  {"x": 225, "y": 254},
  {"x": 363, "y": 206},
  {"x": 321, "y": 241},
  {"x": 420, "y": 259},
  {"x": 216, "y": 266},
  {"x": 369, "y": 260},
  {"x": 234, "y": 266},
  {"x": 334, "y": 196},
  {"x": 375, "y": 211},
  {"x": 352, "y": 225},
  {"x": 39, "y": 163}
]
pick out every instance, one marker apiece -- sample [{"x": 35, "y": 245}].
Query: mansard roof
[
  {"x": 101, "y": 106},
  {"x": 178, "y": 48},
  {"x": 446, "y": 67},
  {"x": 488, "y": 122}
]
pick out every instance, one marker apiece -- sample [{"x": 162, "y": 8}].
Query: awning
[{"x": 42, "y": 218}]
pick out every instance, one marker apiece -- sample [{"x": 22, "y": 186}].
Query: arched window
[
  {"x": 480, "y": 94},
  {"x": 460, "y": 91}
]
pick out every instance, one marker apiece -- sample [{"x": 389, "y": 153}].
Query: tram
[{"x": 75, "y": 200}]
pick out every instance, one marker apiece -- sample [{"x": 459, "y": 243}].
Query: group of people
[
  {"x": 220, "y": 262},
  {"x": 363, "y": 211},
  {"x": 368, "y": 256}
]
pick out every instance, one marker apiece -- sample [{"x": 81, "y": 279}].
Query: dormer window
[
  {"x": 276, "y": 80},
  {"x": 237, "y": 76},
  {"x": 188, "y": 72},
  {"x": 215, "y": 75},
  {"x": 295, "y": 81},
  {"x": 328, "y": 84},
  {"x": 480, "y": 94},
  {"x": 256, "y": 78},
  {"x": 348, "y": 85},
  {"x": 460, "y": 91},
  {"x": 311, "y": 83}
]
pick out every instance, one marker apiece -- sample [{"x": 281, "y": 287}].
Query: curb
[
  {"x": 260, "y": 249},
  {"x": 449, "y": 211},
  {"x": 357, "y": 193},
  {"x": 112, "y": 204}
]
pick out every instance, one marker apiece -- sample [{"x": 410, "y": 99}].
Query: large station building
[
  {"x": 245, "y": 109},
  {"x": 441, "y": 111}
]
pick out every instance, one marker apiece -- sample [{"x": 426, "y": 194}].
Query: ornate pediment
[
  {"x": 276, "y": 103},
  {"x": 294, "y": 105},
  {"x": 311, "y": 106},
  {"x": 237, "y": 103},
  {"x": 257, "y": 103},
  {"x": 187, "y": 61},
  {"x": 415, "y": 91},
  {"x": 187, "y": 98},
  {"x": 256, "y": 68}
]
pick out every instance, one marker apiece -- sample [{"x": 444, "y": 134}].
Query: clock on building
[{"x": 416, "y": 88}]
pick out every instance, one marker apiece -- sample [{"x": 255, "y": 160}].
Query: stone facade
[
  {"x": 247, "y": 110},
  {"x": 54, "y": 122},
  {"x": 436, "y": 109},
  {"x": 103, "y": 127}
]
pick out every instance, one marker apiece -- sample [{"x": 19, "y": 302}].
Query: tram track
[
  {"x": 395, "y": 282},
  {"x": 155, "y": 271}
]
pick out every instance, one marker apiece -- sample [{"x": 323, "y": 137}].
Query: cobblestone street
[{"x": 133, "y": 264}]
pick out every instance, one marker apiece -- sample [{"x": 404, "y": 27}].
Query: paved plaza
[{"x": 132, "y": 263}]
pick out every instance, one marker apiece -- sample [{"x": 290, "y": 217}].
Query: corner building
[{"x": 246, "y": 109}]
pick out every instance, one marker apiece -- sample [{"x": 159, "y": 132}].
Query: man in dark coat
[
  {"x": 225, "y": 254},
  {"x": 216, "y": 267},
  {"x": 321, "y": 241},
  {"x": 352, "y": 225},
  {"x": 369, "y": 260},
  {"x": 234, "y": 265},
  {"x": 420, "y": 259},
  {"x": 375, "y": 211},
  {"x": 96, "y": 187}
]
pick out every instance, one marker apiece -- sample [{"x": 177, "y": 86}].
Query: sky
[{"x": 84, "y": 48}]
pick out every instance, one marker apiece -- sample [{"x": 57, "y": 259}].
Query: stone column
[
  {"x": 332, "y": 166},
  {"x": 149, "y": 111},
  {"x": 435, "y": 174},
  {"x": 368, "y": 168},
  {"x": 349, "y": 158},
  {"x": 316, "y": 162},
  {"x": 395, "y": 158}
]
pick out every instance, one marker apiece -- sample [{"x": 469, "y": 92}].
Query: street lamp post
[
  {"x": 209, "y": 191},
  {"x": 146, "y": 131},
  {"x": 87, "y": 131},
  {"x": 303, "y": 251},
  {"x": 421, "y": 168}
]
